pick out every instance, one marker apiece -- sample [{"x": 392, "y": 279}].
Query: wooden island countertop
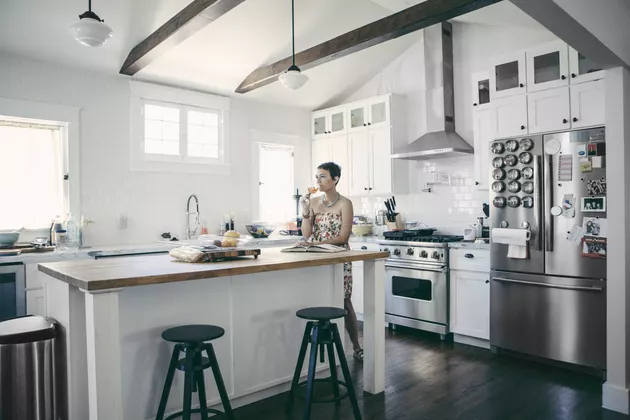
[{"x": 114, "y": 273}]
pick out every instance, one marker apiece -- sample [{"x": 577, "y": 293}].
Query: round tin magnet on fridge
[{"x": 556, "y": 211}]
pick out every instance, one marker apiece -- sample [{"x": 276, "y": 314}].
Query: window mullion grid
[{"x": 183, "y": 132}]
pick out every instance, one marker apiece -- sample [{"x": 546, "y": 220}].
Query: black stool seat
[
  {"x": 193, "y": 333},
  {"x": 322, "y": 313}
]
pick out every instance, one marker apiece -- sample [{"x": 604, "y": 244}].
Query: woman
[{"x": 328, "y": 220}]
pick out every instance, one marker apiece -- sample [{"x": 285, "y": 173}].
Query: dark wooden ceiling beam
[
  {"x": 406, "y": 21},
  {"x": 191, "y": 19}
]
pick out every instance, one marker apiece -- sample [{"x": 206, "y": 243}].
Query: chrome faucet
[{"x": 192, "y": 233}]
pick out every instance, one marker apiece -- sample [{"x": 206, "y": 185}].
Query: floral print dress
[{"x": 328, "y": 226}]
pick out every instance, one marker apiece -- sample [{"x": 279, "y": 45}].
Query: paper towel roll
[
  {"x": 518, "y": 237},
  {"x": 515, "y": 239}
]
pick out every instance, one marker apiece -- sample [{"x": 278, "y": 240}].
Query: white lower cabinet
[
  {"x": 470, "y": 303},
  {"x": 35, "y": 291}
]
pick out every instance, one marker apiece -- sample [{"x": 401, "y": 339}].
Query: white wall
[
  {"x": 615, "y": 391},
  {"x": 154, "y": 202},
  {"x": 449, "y": 208}
]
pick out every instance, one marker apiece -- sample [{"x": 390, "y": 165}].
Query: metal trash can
[{"x": 27, "y": 370}]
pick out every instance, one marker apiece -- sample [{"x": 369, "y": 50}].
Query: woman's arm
[
  {"x": 347, "y": 215},
  {"x": 307, "y": 210}
]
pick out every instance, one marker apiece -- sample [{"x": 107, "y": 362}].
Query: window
[
  {"x": 32, "y": 168},
  {"x": 178, "y": 130},
  {"x": 276, "y": 182}
]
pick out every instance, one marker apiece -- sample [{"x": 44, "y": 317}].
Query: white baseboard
[
  {"x": 471, "y": 341},
  {"x": 615, "y": 398}
]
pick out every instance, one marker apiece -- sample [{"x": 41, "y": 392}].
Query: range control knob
[
  {"x": 435, "y": 255},
  {"x": 385, "y": 249},
  {"x": 409, "y": 251},
  {"x": 396, "y": 251},
  {"x": 424, "y": 254}
]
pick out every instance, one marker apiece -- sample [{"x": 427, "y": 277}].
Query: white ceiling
[{"x": 220, "y": 56}]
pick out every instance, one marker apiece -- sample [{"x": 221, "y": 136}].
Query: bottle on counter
[
  {"x": 72, "y": 233},
  {"x": 61, "y": 241}
]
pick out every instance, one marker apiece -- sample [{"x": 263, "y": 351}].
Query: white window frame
[
  {"x": 68, "y": 119},
  {"x": 146, "y": 93}
]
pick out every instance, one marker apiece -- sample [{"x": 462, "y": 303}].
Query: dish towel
[{"x": 515, "y": 239}]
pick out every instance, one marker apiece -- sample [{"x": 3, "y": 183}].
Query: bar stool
[
  {"x": 322, "y": 333},
  {"x": 192, "y": 340}
]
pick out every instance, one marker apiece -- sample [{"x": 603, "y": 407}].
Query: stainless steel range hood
[{"x": 442, "y": 141}]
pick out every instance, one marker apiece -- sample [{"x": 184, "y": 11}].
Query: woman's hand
[
  {"x": 303, "y": 243},
  {"x": 305, "y": 203}
]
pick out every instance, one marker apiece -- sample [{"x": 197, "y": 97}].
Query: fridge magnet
[
  {"x": 592, "y": 149},
  {"x": 552, "y": 146},
  {"x": 597, "y": 162},
  {"x": 593, "y": 247},
  {"x": 586, "y": 165},
  {"x": 565, "y": 168},
  {"x": 595, "y": 227},
  {"x": 568, "y": 206},
  {"x": 581, "y": 150},
  {"x": 596, "y": 187},
  {"x": 576, "y": 234},
  {"x": 594, "y": 204}
]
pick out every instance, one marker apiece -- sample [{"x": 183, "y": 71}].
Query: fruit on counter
[
  {"x": 232, "y": 234},
  {"x": 312, "y": 190},
  {"x": 229, "y": 243}
]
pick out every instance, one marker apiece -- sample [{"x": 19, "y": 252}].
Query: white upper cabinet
[
  {"x": 547, "y": 66},
  {"x": 334, "y": 149},
  {"x": 511, "y": 116},
  {"x": 583, "y": 69},
  {"x": 548, "y": 110},
  {"x": 360, "y": 165},
  {"x": 485, "y": 125},
  {"x": 481, "y": 89},
  {"x": 507, "y": 75},
  {"x": 321, "y": 151},
  {"x": 328, "y": 122},
  {"x": 588, "y": 105},
  {"x": 379, "y": 112},
  {"x": 357, "y": 116},
  {"x": 380, "y": 160}
]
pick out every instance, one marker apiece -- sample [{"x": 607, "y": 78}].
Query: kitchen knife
[
  {"x": 394, "y": 200},
  {"x": 391, "y": 204}
]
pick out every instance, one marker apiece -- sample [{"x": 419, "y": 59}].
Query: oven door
[{"x": 417, "y": 292}]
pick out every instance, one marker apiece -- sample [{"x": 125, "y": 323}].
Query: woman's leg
[{"x": 352, "y": 326}]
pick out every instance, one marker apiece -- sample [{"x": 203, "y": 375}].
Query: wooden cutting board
[
  {"x": 224, "y": 254},
  {"x": 21, "y": 250}
]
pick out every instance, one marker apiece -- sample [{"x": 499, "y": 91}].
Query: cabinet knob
[
  {"x": 573, "y": 75},
  {"x": 575, "y": 119},
  {"x": 564, "y": 121},
  {"x": 476, "y": 182},
  {"x": 364, "y": 124},
  {"x": 369, "y": 123},
  {"x": 475, "y": 104},
  {"x": 365, "y": 188},
  {"x": 370, "y": 188},
  {"x": 521, "y": 85},
  {"x": 522, "y": 127},
  {"x": 364, "y": 247},
  {"x": 563, "y": 77},
  {"x": 469, "y": 256},
  {"x": 487, "y": 281}
]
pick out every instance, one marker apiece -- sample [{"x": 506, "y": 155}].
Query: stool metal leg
[
  {"x": 346, "y": 373},
  {"x": 189, "y": 375},
  {"x": 333, "y": 371},
  {"x": 312, "y": 364},
  {"x": 227, "y": 407},
  {"x": 300, "y": 364},
  {"x": 168, "y": 383},
  {"x": 201, "y": 386}
]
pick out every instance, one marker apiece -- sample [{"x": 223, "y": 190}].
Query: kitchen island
[{"x": 113, "y": 311}]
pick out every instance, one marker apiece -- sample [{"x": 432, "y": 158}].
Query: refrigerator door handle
[
  {"x": 555, "y": 286},
  {"x": 549, "y": 203},
  {"x": 539, "y": 202}
]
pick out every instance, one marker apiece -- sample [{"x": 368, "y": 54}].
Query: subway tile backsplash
[{"x": 448, "y": 207}]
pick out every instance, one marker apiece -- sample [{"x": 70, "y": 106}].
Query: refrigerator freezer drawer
[{"x": 556, "y": 318}]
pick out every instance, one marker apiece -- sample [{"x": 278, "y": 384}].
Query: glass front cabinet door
[
  {"x": 547, "y": 66},
  {"x": 379, "y": 112},
  {"x": 357, "y": 116},
  {"x": 319, "y": 124},
  {"x": 507, "y": 75},
  {"x": 480, "y": 89},
  {"x": 583, "y": 69},
  {"x": 328, "y": 122}
]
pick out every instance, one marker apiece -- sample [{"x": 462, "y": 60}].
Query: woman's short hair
[{"x": 333, "y": 169}]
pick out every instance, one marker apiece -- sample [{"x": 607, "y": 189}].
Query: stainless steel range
[{"x": 417, "y": 282}]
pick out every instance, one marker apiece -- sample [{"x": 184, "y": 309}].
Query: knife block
[{"x": 398, "y": 224}]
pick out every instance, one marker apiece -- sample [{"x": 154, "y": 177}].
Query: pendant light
[
  {"x": 90, "y": 30},
  {"x": 293, "y": 78}
]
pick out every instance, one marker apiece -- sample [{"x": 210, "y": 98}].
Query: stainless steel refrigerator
[{"x": 552, "y": 303}]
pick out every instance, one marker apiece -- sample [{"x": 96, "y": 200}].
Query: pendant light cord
[
  {"x": 292, "y": 28},
  {"x": 90, "y": 5}
]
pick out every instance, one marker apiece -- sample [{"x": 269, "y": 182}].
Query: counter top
[{"x": 92, "y": 275}]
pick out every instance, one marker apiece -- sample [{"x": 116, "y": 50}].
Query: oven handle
[
  {"x": 555, "y": 286},
  {"x": 441, "y": 269}
]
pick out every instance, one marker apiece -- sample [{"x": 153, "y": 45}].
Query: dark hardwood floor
[{"x": 427, "y": 379}]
